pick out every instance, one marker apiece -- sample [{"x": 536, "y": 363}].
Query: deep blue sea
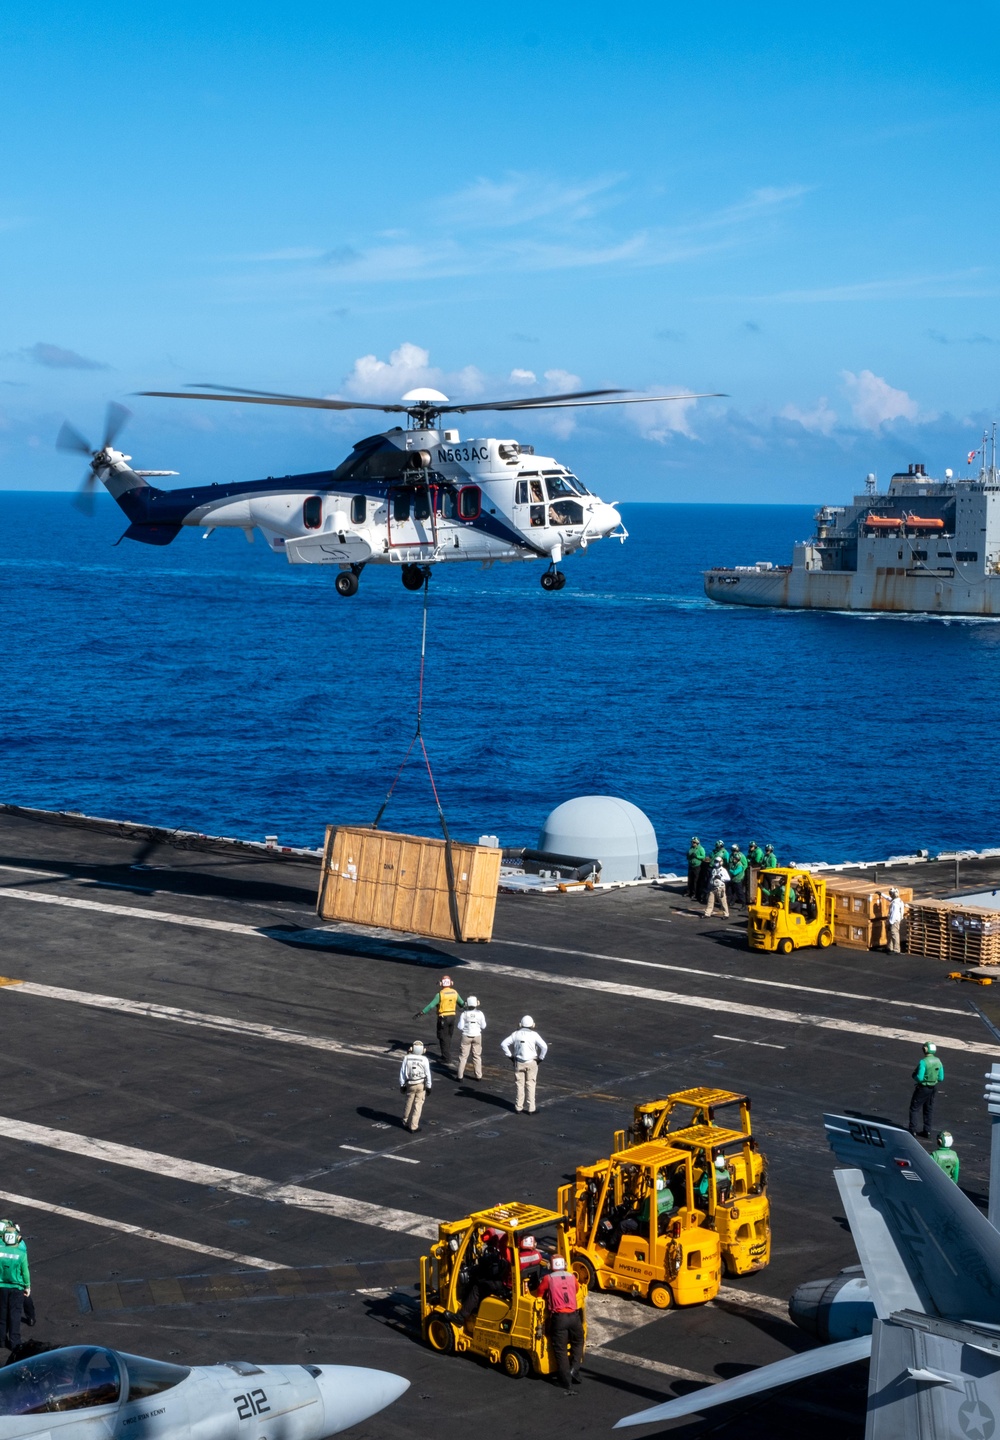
[{"x": 212, "y": 686}]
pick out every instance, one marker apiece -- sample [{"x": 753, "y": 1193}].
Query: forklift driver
[
  {"x": 531, "y": 1262},
  {"x": 666, "y": 1204},
  {"x": 491, "y": 1276}
]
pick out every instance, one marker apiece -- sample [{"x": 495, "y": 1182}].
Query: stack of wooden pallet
[
  {"x": 949, "y": 930},
  {"x": 860, "y": 912}
]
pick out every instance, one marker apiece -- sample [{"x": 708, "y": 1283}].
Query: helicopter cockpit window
[
  {"x": 578, "y": 485},
  {"x": 359, "y": 510},
  {"x": 537, "y": 516},
  {"x": 521, "y": 495},
  {"x": 401, "y": 506},
  {"x": 559, "y": 485},
  {"x": 78, "y": 1377},
  {"x": 422, "y": 505},
  {"x": 535, "y": 490},
  {"x": 469, "y": 502},
  {"x": 312, "y": 512},
  {"x": 567, "y": 512},
  {"x": 448, "y": 504},
  {"x": 150, "y": 1377}
]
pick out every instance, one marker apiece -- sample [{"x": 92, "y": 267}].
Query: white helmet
[
  {"x": 558, "y": 1263},
  {"x": 417, "y": 1048},
  {"x": 721, "y": 1163},
  {"x": 10, "y": 1232},
  {"x": 946, "y": 1140},
  {"x": 929, "y": 1047},
  {"x": 527, "y": 1023},
  {"x": 472, "y": 1002}
]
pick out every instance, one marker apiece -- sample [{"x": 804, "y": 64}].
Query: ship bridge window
[
  {"x": 359, "y": 510},
  {"x": 77, "y": 1377},
  {"x": 968, "y": 556},
  {"x": 470, "y": 500},
  {"x": 401, "y": 506},
  {"x": 567, "y": 512},
  {"x": 558, "y": 485},
  {"x": 312, "y": 512},
  {"x": 919, "y": 555}
]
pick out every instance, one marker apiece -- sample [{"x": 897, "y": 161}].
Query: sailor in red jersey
[{"x": 561, "y": 1294}]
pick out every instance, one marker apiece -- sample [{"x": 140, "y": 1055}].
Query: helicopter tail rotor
[{"x": 69, "y": 438}]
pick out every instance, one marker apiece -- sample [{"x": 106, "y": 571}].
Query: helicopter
[{"x": 412, "y": 497}]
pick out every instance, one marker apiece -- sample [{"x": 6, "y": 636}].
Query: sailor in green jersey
[
  {"x": 756, "y": 854},
  {"x": 738, "y": 875},
  {"x": 695, "y": 855},
  {"x": 15, "y": 1282},
  {"x": 770, "y": 860},
  {"x": 946, "y": 1157},
  {"x": 927, "y": 1076}
]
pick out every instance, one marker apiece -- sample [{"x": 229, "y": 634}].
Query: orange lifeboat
[
  {"x": 914, "y": 522},
  {"x": 883, "y": 522}
]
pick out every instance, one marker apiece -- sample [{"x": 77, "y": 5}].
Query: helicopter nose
[
  {"x": 608, "y": 519},
  {"x": 352, "y": 1393}
]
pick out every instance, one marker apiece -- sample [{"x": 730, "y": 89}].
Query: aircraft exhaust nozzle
[
  {"x": 352, "y": 1393},
  {"x": 837, "y": 1309}
]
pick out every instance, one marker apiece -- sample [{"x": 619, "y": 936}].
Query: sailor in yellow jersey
[{"x": 446, "y": 1003}]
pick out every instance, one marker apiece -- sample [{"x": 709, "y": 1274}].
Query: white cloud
[
  {"x": 874, "y": 402},
  {"x": 660, "y": 420},
  {"x": 523, "y": 377},
  {"x": 820, "y": 419},
  {"x": 407, "y": 367},
  {"x": 562, "y": 381}
]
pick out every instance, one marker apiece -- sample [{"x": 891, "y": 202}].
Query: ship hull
[{"x": 878, "y": 590}]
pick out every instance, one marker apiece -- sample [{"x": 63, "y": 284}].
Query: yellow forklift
[
  {"x": 634, "y": 1226},
  {"x": 508, "y": 1326},
  {"x": 790, "y": 911},
  {"x": 734, "y": 1195}
]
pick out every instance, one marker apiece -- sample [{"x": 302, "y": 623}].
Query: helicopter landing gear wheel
[
  {"x": 346, "y": 583},
  {"x": 414, "y": 576},
  {"x": 553, "y": 580}
]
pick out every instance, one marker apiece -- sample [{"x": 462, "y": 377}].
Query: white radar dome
[
  {"x": 421, "y": 394},
  {"x": 602, "y": 827}
]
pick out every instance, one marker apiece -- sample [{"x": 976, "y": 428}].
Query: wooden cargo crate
[
  {"x": 400, "y": 882},
  {"x": 855, "y": 934},
  {"x": 857, "y": 898}
]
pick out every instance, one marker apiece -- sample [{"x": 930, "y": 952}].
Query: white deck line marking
[
  {"x": 606, "y": 987},
  {"x": 751, "y": 1300},
  {"x": 733, "y": 1007},
  {"x": 150, "y": 1011},
  {"x": 381, "y": 1154},
  {"x": 741, "y": 1040},
  {"x": 673, "y": 1372},
  {"x": 362, "y": 1212},
  {"x": 24, "y": 1202},
  {"x": 727, "y": 975},
  {"x": 30, "y": 874}
]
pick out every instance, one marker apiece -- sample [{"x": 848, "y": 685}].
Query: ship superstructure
[{"x": 924, "y": 546}]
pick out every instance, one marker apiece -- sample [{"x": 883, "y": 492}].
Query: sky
[{"x": 793, "y": 205}]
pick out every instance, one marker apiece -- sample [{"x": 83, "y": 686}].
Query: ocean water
[{"x": 211, "y": 686}]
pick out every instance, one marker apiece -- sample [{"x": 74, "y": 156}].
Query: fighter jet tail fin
[
  {"x": 768, "y": 1377},
  {"x": 931, "y": 1378},
  {"x": 923, "y": 1244}
]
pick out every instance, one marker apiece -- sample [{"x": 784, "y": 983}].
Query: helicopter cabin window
[
  {"x": 567, "y": 512},
  {"x": 422, "y": 505},
  {"x": 312, "y": 512},
  {"x": 401, "y": 506},
  {"x": 447, "y": 504},
  {"x": 537, "y": 516},
  {"x": 558, "y": 485},
  {"x": 469, "y": 502},
  {"x": 359, "y": 510}
]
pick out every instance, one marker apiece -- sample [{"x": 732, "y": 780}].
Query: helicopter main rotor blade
[
  {"x": 114, "y": 420},
  {"x": 253, "y": 397},
  {"x": 69, "y": 438},
  {"x": 564, "y": 402}
]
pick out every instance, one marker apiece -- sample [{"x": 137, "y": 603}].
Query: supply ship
[{"x": 926, "y": 546}]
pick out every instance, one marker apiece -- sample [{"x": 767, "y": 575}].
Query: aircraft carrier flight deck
[{"x": 201, "y": 1127}]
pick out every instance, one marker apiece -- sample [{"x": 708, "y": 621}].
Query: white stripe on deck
[
  {"x": 728, "y": 975},
  {"x": 606, "y": 987},
  {"x": 225, "y": 1023},
  {"x": 742, "y": 1040},
  {"x": 25, "y": 1202},
  {"x": 341, "y": 1207},
  {"x": 381, "y": 1154}
]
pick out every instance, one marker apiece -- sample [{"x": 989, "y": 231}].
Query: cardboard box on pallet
[{"x": 400, "y": 882}]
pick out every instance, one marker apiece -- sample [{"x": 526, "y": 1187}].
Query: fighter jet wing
[
  {"x": 932, "y": 1378},
  {"x": 768, "y": 1377},
  {"x": 933, "y": 1242}
]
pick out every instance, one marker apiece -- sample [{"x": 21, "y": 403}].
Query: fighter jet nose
[{"x": 352, "y": 1393}]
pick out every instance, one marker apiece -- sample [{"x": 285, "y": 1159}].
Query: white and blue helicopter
[
  {"x": 88, "y": 1392},
  {"x": 413, "y": 497}
]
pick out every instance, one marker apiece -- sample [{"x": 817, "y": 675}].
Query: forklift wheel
[
  {"x": 824, "y": 939},
  {"x": 441, "y": 1336},
  {"x": 514, "y": 1363},
  {"x": 784, "y": 946},
  {"x": 660, "y": 1297},
  {"x": 584, "y": 1272}
]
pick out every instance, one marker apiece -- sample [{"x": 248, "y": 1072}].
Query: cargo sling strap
[{"x": 449, "y": 863}]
